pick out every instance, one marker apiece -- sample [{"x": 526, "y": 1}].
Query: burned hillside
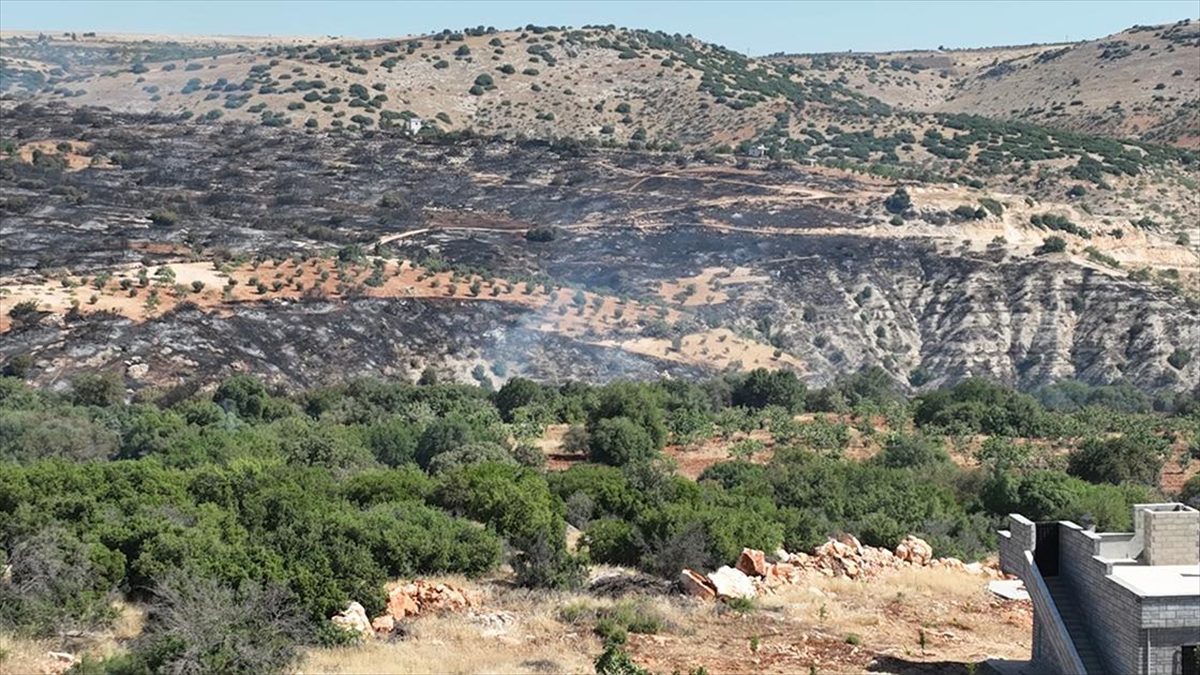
[{"x": 372, "y": 254}]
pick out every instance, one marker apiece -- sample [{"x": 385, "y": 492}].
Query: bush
[
  {"x": 201, "y": 625},
  {"x": 471, "y": 453},
  {"x": 443, "y": 435},
  {"x": 99, "y": 390},
  {"x": 163, "y": 217},
  {"x": 898, "y": 202},
  {"x": 1053, "y": 495},
  {"x": 1051, "y": 245},
  {"x": 58, "y": 585},
  {"x": 1130, "y": 458},
  {"x": 908, "y": 451},
  {"x": 513, "y": 501},
  {"x": 244, "y": 396},
  {"x": 393, "y": 441},
  {"x": 24, "y": 310},
  {"x": 1180, "y": 358},
  {"x": 636, "y": 402},
  {"x": 612, "y": 541},
  {"x": 1190, "y": 494},
  {"x": 981, "y": 407},
  {"x": 516, "y": 393},
  {"x": 545, "y": 563},
  {"x": 762, "y": 388},
  {"x": 616, "y": 661},
  {"x": 541, "y": 233},
  {"x": 617, "y": 441}
]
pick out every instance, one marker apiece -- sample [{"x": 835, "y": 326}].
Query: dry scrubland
[
  {"x": 832, "y": 625},
  {"x": 798, "y": 628}
]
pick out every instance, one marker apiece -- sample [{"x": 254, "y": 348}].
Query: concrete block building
[{"x": 1122, "y": 603}]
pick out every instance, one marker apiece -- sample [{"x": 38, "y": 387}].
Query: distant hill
[
  {"x": 892, "y": 115},
  {"x": 1142, "y": 83}
]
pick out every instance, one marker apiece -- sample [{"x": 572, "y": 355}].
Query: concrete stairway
[{"x": 1068, "y": 608}]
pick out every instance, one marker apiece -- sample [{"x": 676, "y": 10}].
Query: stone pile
[
  {"x": 406, "y": 600},
  {"x": 844, "y": 556},
  {"x": 726, "y": 583}
]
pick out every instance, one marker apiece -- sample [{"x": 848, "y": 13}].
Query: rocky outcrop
[
  {"x": 407, "y": 600},
  {"x": 354, "y": 619},
  {"x": 914, "y": 550},
  {"x": 843, "y": 556}
]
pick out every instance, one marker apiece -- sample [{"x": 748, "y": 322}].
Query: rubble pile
[
  {"x": 844, "y": 556},
  {"x": 406, "y": 600}
]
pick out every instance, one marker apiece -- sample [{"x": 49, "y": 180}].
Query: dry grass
[
  {"x": 537, "y": 641},
  {"x": 809, "y": 625},
  {"x": 31, "y": 655},
  {"x": 797, "y": 627},
  {"x": 24, "y": 655}
]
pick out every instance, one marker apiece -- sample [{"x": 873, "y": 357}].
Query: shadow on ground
[{"x": 900, "y": 666}]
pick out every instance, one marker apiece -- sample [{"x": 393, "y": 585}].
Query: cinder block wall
[
  {"x": 1020, "y": 538},
  {"x": 1168, "y": 624},
  {"x": 1052, "y": 650},
  {"x": 1111, "y": 612},
  {"x": 1170, "y": 537}
]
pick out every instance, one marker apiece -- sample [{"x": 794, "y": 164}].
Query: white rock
[
  {"x": 354, "y": 619},
  {"x": 731, "y": 583}
]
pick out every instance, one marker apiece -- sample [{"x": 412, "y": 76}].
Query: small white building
[{"x": 413, "y": 125}]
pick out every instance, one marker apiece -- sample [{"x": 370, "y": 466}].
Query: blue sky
[{"x": 750, "y": 27}]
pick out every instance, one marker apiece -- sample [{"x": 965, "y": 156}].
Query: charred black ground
[{"x": 825, "y": 286}]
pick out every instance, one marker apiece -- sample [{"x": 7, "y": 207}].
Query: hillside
[
  {"x": 175, "y": 258},
  {"x": 593, "y": 198},
  {"x": 1142, "y": 83}
]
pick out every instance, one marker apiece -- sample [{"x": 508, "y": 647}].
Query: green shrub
[
  {"x": 909, "y": 451},
  {"x": 761, "y": 388},
  {"x": 613, "y": 541},
  {"x": 1180, "y": 358},
  {"x": 99, "y": 390},
  {"x": 163, "y": 217},
  {"x": 616, "y": 661},
  {"x": 1130, "y": 458},
  {"x": 618, "y": 441},
  {"x": 898, "y": 202}
]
